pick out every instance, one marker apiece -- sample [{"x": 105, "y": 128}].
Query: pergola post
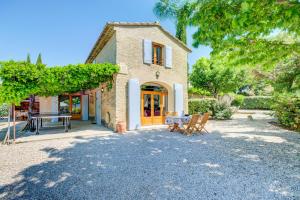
[{"x": 14, "y": 121}]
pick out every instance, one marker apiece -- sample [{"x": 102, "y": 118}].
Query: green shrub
[
  {"x": 238, "y": 100},
  {"x": 257, "y": 102},
  {"x": 287, "y": 110},
  {"x": 201, "y": 105},
  {"x": 198, "y": 91},
  {"x": 217, "y": 110},
  {"x": 4, "y": 110},
  {"x": 221, "y": 111}
]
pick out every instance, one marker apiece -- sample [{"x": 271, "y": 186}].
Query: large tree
[
  {"x": 245, "y": 29},
  {"x": 219, "y": 21},
  {"x": 286, "y": 76},
  {"x": 215, "y": 78},
  {"x": 179, "y": 11}
]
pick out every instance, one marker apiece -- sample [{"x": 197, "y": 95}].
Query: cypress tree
[
  {"x": 39, "y": 59},
  {"x": 28, "y": 58}
]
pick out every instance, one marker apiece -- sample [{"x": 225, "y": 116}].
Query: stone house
[{"x": 151, "y": 81}]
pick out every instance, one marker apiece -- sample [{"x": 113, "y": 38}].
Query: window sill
[{"x": 156, "y": 65}]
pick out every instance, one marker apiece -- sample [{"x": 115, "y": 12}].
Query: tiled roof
[{"x": 108, "y": 32}]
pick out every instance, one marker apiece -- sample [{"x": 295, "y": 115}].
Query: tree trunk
[
  {"x": 31, "y": 104},
  {"x": 215, "y": 94}
]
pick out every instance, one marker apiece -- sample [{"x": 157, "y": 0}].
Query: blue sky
[{"x": 64, "y": 31}]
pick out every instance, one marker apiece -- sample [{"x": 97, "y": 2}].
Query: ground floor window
[{"x": 70, "y": 104}]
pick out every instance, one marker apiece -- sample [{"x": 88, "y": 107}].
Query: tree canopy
[
  {"x": 220, "y": 21},
  {"x": 241, "y": 32},
  {"x": 287, "y": 76},
  {"x": 173, "y": 9},
  {"x": 22, "y": 79},
  {"x": 245, "y": 32},
  {"x": 216, "y": 78}
]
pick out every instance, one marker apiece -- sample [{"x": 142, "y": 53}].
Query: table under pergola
[{"x": 37, "y": 120}]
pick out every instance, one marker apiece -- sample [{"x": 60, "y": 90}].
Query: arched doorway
[{"x": 154, "y": 104}]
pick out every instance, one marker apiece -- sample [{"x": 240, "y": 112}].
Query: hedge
[
  {"x": 287, "y": 111},
  {"x": 238, "y": 100},
  {"x": 217, "y": 110},
  {"x": 256, "y": 102},
  {"x": 201, "y": 105}
]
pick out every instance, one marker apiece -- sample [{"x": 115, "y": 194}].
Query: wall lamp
[{"x": 157, "y": 74}]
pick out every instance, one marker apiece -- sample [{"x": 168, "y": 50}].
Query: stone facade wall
[
  {"x": 125, "y": 48},
  {"x": 108, "y": 97},
  {"x": 122, "y": 97},
  {"x": 108, "y": 107},
  {"x": 130, "y": 58},
  {"x": 108, "y": 53}
]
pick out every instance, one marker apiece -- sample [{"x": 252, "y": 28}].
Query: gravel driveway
[{"x": 240, "y": 159}]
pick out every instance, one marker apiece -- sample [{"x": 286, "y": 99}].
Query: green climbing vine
[{"x": 19, "y": 80}]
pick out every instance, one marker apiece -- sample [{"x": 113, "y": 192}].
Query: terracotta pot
[{"x": 121, "y": 127}]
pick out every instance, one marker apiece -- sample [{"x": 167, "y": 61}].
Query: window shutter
[
  {"x": 168, "y": 56},
  {"x": 85, "y": 107},
  {"x": 147, "y": 51},
  {"x": 178, "y": 96},
  {"x": 134, "y": 109}
]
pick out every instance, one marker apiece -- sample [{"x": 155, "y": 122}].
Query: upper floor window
[{"x": 157, "y": 54}]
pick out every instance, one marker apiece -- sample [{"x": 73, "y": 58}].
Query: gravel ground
[{"x": 240, "y": 159}]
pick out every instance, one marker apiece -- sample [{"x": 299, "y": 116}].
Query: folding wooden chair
[
  {"x": 201, "y": 125},
  {"x": 174, "y": 113},
  {"x": 189, "y": 128}
]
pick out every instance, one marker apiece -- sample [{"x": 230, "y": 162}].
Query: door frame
[
  {"x": 74, "y": 116},
  {"x": 153, "y": 120}
]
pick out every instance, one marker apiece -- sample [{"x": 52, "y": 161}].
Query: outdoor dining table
[
  {"x": 38, "y": 120},
  {"x": 177, "y": 121}
]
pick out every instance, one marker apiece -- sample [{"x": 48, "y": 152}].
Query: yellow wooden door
[{"x": 152, "y": 104}]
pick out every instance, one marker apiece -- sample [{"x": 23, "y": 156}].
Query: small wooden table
[
  {"x": 177, "y": 121},
  {"x": 38, "y": 120}
]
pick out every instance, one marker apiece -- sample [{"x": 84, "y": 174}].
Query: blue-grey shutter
[
  {"x": 134, "y": 98},
  {"x": 85, "y": 107},
  {"x": 168, "y": 56},
  {"x": 98, "y": 107},
  {"x": 178, "y": 97},
  {"x": 147, "y": 51}
]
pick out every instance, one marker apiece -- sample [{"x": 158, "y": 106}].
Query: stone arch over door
[{"x": 168, "y": 87}]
